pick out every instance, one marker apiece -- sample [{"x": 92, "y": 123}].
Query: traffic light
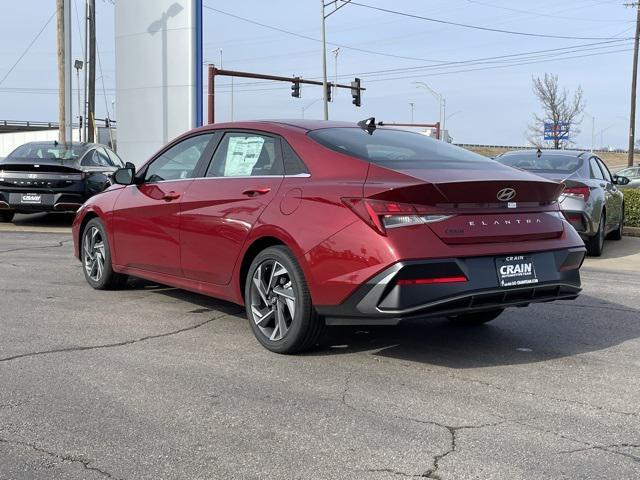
[
  {"x": 355, "y": 92},
  {"x": 328, "y": 91},
  {"x": 295, "y": 88}
]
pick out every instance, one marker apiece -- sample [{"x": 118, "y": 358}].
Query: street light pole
[
  {"x": 325, "y": 100},
  {"x": 78, "y": 66},
  {"x": 411, "y": 104},
  {"x": 441, "y": 101},
  {"x": 335, "y": 52}
]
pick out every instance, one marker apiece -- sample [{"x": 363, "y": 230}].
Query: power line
[
  {"x": 306, "y": 37},
  {"x": 547, "y": 15},
  {"x": 474, "y": 27},
  {"x": 26, "y": 50},
  {"x": 501, "y": 66},
  {"x": 552, "y": 52}
]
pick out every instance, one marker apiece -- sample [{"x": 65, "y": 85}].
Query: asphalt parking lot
[{"x": 153, "y": 382}]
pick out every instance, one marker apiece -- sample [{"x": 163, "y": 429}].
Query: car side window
[
  {"x": 96, "y": 158},
  {"x": 115, "y": 159},
  {"x": 246, "y": 155},
  {"x": 178, "y": 162},
  {"x": 595, "y": 169},
  {"x": 293, "y": 165},
  {"x": 605, "y": 171}
]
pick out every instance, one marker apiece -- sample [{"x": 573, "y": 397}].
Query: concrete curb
[{"x": 632, "y": 231}]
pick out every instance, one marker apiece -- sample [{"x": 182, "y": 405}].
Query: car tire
[
  {"x": 95, "y": 254},
  {"x": 279, "y": 306},
  {"x": 595, "y": 244},
  {"x": 6, "y": 216},
  {"x": 476, "y": 318},
  {"x": 617, "y": 233}
]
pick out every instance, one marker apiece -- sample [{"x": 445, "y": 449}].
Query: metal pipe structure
[
  {"x": 213, "y": 72},
  {"x": 442, "y": 103},
  {"x": 424, "y": 125}
]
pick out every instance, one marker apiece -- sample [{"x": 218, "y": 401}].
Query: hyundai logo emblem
[{"x": 506, "y": 194}]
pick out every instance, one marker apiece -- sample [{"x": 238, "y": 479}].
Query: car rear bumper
[
  {"x": 48, "y": 202},
  {"x": 383, "y": 301}
]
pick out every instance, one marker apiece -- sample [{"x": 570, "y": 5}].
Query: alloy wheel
[
  {"x": 94, "y": 253},
  {"x": 273, "y": 299}
]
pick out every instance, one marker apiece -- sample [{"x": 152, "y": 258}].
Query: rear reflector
[{"x": 430, "y": 281}]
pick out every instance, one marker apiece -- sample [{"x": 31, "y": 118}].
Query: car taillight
[
  {"x": 581, "y": 192},
  {"x": 382, "y": 215}
]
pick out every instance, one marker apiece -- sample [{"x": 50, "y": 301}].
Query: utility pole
[
  {"x": 325, "y": 99},
  {"x": 63, "y": 30},
  {"x": 91, "y": 100},
  {"x": 61, "y": 92},
  {"x": 634, "y": 82},
  {"x": 411, "y": 105}
]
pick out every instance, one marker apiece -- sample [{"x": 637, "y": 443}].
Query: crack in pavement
[
  {"x": 112, "y": 345},
  {"x": 606, "y": 448},
  {"x": 58, "y": 245},
  {"x": 453, "y": 432},
  {"x": 86, "y": 464},
  {"x": 391, "y": 471}
]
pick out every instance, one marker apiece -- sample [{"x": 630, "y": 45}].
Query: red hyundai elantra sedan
[{"x": 311, "y": 223}]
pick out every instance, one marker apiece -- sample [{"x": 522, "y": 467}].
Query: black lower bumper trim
[{"x": 382, "y": 300}]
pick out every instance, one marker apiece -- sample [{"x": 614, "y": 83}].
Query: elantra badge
[{"x": 506, "y": 194}]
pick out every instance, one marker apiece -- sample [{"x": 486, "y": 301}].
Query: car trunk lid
[{"x": 495, "y": 204}]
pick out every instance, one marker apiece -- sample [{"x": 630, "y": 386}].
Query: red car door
[
  {"x": 146, "y": 216},
  {"x": 218, "y": 211}
]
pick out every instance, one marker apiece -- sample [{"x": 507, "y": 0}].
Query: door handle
[
  {"x": 171, "y": 196},
  {"x": 254, "y": 192}
]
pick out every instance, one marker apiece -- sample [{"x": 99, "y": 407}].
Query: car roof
[
  {"x": 297, "y": 124},
  {"x": 524, "y": 153},
  {"x": 56, "y": 143}
]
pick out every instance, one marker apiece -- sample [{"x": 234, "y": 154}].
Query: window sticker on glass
[{"x": 242, "y": 155}]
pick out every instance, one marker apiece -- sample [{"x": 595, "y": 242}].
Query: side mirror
[
  {"x": 124, "y": 176},
  {"x": 620, "y": 180}
]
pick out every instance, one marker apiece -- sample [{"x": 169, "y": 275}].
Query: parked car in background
[
  {"x": 309, "y": 223},
  {"x": 591, "y": 200},
  {"x": 51, "y": 176},
  {"x": 632, "y": 173}
]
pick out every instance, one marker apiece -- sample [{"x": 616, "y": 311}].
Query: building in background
[{"x": 158, "y": 73}]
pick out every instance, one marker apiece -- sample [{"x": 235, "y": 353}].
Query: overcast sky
[{"x": 490, "y": 100}]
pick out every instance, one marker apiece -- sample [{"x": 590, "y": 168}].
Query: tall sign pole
[
  {"x": 91, "y": 100},
  {"x": 634, "y": 82},
  {"x": 325, "y": 96},
  {"x": 65, "y": 68}
]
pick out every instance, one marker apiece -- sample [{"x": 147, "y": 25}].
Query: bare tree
[{"x": 559, "y": 107}]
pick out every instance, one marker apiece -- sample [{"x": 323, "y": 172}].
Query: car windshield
[
  {"x": 544, "y": 164},
  {"x": 47, "y": 153},
  {"x": 398, "y": 149}
]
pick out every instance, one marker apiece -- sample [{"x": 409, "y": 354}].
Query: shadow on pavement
[
  {"x": 532, "y": 334},
  {"x": 44, "y": 220},
  {"x": 519, "y": 336}
]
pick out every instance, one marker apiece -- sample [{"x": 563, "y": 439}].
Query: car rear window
[
  {"x": 544, "y": 164},
  {"x": 398, "y": 149},
  {"x": 55, "y": 153}
]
